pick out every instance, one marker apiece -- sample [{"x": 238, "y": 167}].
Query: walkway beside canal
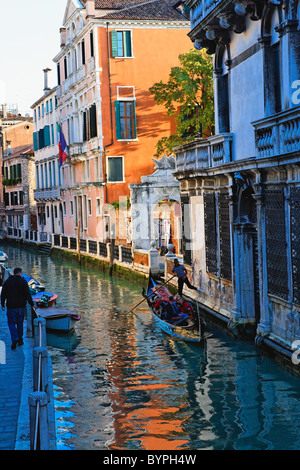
[
  {"x": 12, "y": 367},
  {"x": 16, "y": 383}
]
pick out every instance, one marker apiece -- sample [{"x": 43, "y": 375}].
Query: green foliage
[
  {"x": 122, "y": 204},
  {"x": 11, "y": 181},
  {"x": 188, "y": 97}
]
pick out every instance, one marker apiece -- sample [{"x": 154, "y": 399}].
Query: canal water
[{"x": 121, "y": 383}]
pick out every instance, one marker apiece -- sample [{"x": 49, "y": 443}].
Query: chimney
[
  {"x": 4, "y": 111},
  {"x": 63, "y": 37},
  {"x": 90, "y": 8},
  {"x": 46, "y": 85}
]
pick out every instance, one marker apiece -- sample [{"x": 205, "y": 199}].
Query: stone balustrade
[
  {"x": 199, "y": 9},
  {"x": 204, "y": 153},
  {"x": 278, "y": 134},
  {"x": 49, "y": 194}
]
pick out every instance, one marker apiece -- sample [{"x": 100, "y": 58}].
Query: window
[
  {"x": 89, "y": 207},
  {"x": 71, "y": 208},
  {"x": 89, "y": 123},
  {"x": 96, "y": 168},
  {"x": 58, "y": 74},
  {"x": 66, "y": 67},
  {"x": 53, "y": 174},
  {"x": 125, "y": 120},
  {"x": 115, "y": 173},
  {"x": 92, "y": 43},
  {"x": 98, "y": 207},
  {"x": 275, "y": 51},
  {"x": 83, "y": 53},
  {"x": 52, "y": 135},
  {"x": 93, "y": 121},
  {"x": 121, "y": 43},
  {"x": 37, "y": 178}
]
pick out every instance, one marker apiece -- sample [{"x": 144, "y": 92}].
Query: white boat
[
  {"x": 3, "y": 258},
  {"x": 58, "y": 319}
]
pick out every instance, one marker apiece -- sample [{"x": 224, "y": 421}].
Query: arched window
[
  {"x": 221, "y": 73},
  {"x": 272, "y": 60}
]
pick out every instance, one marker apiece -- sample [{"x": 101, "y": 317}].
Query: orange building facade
[{"x": 111, "y": 54}]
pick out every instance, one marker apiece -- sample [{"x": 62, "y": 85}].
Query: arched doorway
[
  {"x": 246, "y": 252},
  {"x": 167, "y": 223}
]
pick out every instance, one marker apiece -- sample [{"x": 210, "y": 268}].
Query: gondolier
[
  {"x": 15, "y": 293},
  {"x": 181, "y": 273}
]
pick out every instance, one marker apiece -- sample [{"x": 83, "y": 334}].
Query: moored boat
[
  {"x": 58, "y": 319},
  {"x": 44, "y": 299},
  {"x": 33, "y": 283},
  {"x": 190, "y": 330}
]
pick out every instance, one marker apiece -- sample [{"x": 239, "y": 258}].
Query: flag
[{"x": 63, "y": 149}]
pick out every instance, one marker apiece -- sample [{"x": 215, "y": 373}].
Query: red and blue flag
[{"x": 63, "y": 148}]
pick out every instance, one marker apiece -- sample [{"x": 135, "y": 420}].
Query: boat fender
[{"x": 76, "y": 317}]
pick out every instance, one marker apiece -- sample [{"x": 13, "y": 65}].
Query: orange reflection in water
[{"x": 153, "y": 424}]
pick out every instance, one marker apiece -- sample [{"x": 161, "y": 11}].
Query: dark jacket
[{"x": 15, "y": 291}]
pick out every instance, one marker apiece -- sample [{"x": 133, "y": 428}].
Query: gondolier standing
[
  {"x": 15, "y": 292},
  {"x": 181, "y": 273}
]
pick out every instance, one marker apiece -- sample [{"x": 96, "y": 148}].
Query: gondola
[{"x": 191, "y": 330}]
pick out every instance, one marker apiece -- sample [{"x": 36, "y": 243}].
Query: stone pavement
[{"x": 11, "y": 378}]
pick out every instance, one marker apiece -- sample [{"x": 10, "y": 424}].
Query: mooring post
[
  {"x": 40, "y": 339},
  {"x": 40, "y": 370},
  {"x": 38, "y": 415}
]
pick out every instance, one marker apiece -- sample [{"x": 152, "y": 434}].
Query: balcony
[
  {"x": 212, "y": 20},
  {"x": 69, "y": 82},
  {"x": 204, "y": 153},
  {"x": 278, "y": 134},
  {"x": 76, "y": 152},
  {"x": 47, "y": 194}
]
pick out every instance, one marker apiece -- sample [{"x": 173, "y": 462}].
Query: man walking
[
  {"x": 181, "y": 273},
  {"x": 15, "y": 292}
]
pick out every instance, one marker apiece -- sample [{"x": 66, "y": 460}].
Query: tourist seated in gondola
[
  {"x": 184, "y": 306},
  {"x": 158, "y": 302}
]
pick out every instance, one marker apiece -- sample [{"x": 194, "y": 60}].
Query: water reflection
[{"x": 120, "y": 383}]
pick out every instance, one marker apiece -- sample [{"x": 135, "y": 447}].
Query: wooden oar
[{"x": 161, "y": 285}]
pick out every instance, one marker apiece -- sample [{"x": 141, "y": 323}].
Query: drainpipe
[{"x": 111, "y": 115}]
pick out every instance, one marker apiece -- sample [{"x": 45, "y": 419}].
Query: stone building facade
[
  {"x": 18, "y": 209},
  {"x": 241, "y": 187},
  {"x": 48, "y": 174},
  {"x": 111, "y": 53}
]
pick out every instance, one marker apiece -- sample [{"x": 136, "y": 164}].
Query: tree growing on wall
[{"x": 188, "y": 97}]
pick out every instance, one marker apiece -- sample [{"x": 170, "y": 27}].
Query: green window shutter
[
  {"x": 46, "y": 136},
  {"x": 127, "y": 43},
  {"x": 19, "y": 170},
  {"x": 41, "y": 139},
  {"x": 134, "y": 120},
  {"x": 35, "y": 141},
  {"x": 114, "y": 44},
  {"x": 117, "y": 115}
]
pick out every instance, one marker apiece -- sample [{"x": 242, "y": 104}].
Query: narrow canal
[{"x": 120, "y": 383}]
